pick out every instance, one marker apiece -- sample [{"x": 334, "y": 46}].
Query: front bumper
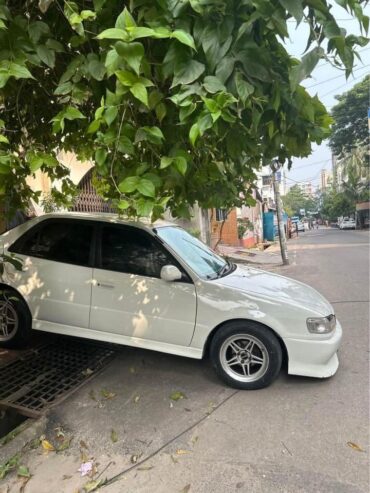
[{"x": 314, "y": 357}]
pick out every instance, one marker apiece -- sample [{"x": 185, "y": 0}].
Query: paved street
[{"x": 291, "y": 437}]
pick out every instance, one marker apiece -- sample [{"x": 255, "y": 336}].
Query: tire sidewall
[
  {"x": 22, "y": 334},
  {"x": 265, "y": 335}
]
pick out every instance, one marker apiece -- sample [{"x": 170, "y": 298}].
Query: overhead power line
[
  {"x": 336, "y": 77},
  {"x": 339, "y": 87}
]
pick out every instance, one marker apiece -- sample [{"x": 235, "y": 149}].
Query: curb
[{"x": 25, "y": 432}]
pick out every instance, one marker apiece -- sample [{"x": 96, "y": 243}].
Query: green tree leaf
[
  {"x": 46, "y": 55},
  {"x": 96, "y": 69},
  {"x": 138, "y": 90},
  {"x": 37, "y": 29},
  {"x": 123, "y": 205},
  {"x": 186, "y": 73},
  {"x": 146, "y": 187},
  {"x": 125, "y": 20},
  {"x": 181, "y": 164},
  {"x": 126, "y": 78},
  {"x": 166, "y": 161},
  {"x": 305, "y": 67},
  {"x": 63, "y": 89},
  {"x": 100, "y": 156},
  {"x": 212, "y": 84},
  {"x": 194, "y": 133},
  {"x": 184, "y": 38},
  {"x": 35, "y": 162},
  {"x": 144, "y": 207},
  {"x": 129, "y": 184},
  {"x": 132, "y": 53},
  {"x": 243, "y": 87},
  {"x": 114, "y": 33},
  {"x": 110, "y": 114},
  {"x": 140, "y": 32},
  {"x": 294, "y": 7},
  {"x": 19, "y": 71},
  {"x": 125, "y": 145}
]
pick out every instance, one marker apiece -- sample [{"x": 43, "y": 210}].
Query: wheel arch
[{"x": 211, "y": 335}]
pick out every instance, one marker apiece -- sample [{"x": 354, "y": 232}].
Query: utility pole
[{"x": 282, "y": 238}]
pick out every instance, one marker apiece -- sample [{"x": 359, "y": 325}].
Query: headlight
[{"x": 321, "y": 325}]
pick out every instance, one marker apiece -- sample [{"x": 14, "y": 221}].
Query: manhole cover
[{"x": 43, "y": 376}]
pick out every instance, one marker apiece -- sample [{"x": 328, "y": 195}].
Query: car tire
[
  {"x": 15, "y": 320},
  {"x": 246, "y": 355}
]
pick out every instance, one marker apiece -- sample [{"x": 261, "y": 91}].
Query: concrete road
[{"x": 291, "y": 437}]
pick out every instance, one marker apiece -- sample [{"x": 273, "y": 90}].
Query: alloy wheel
[
  {"x": 244, "y": 357},
  {"x": 8, "y": 320}
]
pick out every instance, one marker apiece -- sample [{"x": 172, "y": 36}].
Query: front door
[{"x": 128, "y": 296}]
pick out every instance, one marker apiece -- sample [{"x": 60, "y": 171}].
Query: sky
[{"x": 326, "y": 81}]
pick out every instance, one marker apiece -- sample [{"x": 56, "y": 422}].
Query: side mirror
[{"x": 170, "y": 273}]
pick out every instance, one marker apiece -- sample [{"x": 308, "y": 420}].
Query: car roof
[{"x": 144, "y": 223}]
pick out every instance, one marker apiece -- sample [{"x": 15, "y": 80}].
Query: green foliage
[
  {"x": 350, "y": 126},
  {"x": 176, "y": 102},
  {"x": 295, "y": 200},
  {"x": 336, "y": 205}
]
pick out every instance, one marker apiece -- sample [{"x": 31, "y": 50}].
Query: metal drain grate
[{"x": 47, "y": 374}]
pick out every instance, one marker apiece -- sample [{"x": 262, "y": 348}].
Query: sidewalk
[{"x": 252, "y": 256}]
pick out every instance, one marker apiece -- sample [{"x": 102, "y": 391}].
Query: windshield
[{"x": 201, "y": 259}]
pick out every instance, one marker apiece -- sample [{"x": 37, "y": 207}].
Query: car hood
[{"x": 278, "y": 288}]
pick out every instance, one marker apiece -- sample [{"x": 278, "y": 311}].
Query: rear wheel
[
  {"x": 15, "y": 320},
  {"x": 245, "y": 355}
]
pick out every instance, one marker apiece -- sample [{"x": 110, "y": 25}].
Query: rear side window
[
  {"x": 129, "y": 250},
  {"x": 61, "y": 241}
]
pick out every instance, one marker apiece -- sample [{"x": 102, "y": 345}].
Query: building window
[
  {"x": 266, "y": 180},
  {"x": 221, "y": 215}
]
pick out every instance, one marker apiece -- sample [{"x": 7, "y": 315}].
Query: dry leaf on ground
[
  {"x": 356, "y": 447},
  {"x": 64, "y": 445},
  {"x": 107, "y": 394},
  {"x": 182, "y": 451},
  {"x": 113, "y": 436},
  {"x": 176, "y": 396},
  {"x": 46, "y": 445},
  {"x": 24, "y": 472},
  {"x": 185, "y": 489}
]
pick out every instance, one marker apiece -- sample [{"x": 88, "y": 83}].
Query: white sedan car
[
  {"x": 348, "y": 224},
  {"x": 157, "y": 287}
]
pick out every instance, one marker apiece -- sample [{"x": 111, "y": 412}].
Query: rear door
[
  {"x": 128, "y": 296},
  {"x": 56, "y": 280}
]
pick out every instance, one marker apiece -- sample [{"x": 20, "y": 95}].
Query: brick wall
[{"x": 229, "y": 231}]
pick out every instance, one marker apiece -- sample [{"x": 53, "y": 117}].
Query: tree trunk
[{"x": 282, "y": 237}]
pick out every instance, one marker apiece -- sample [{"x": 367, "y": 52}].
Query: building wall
[{"x": 229, "y": 230}]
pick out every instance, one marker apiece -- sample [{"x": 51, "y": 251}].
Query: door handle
[{"x": 105, "y": 285}]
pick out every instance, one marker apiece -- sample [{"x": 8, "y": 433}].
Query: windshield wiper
[{"x": 225, "y": 269}]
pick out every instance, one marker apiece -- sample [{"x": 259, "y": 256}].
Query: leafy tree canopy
[
  {"x": 295, "y": 200},
  {"x": 350, "y": 126},
  {"x": 176, "y": 101}
]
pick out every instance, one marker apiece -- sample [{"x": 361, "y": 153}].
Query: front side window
[
  {"x": 132, "y": 251},
  {"x": 61, "y": 241},
  {"x": 201, "y": 259}
]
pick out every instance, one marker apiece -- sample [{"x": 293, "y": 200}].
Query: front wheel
[{"x": 246, "y": 355}]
